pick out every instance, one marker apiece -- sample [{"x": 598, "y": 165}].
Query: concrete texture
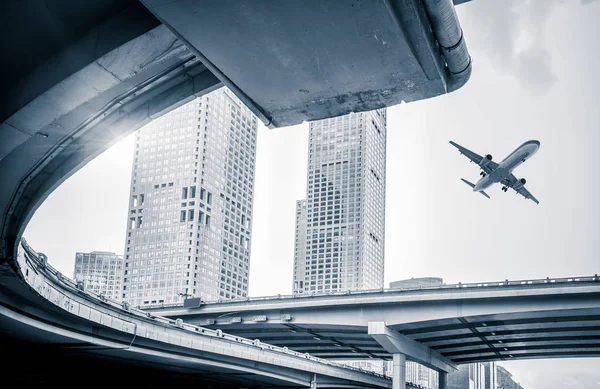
[{"x": 319, "y": 59}]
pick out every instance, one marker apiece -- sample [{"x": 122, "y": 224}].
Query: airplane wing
[
  {"x": 510, "y": 181},
  {"x": 474, "y": 157}
]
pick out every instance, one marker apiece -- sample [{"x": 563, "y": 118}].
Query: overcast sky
[{"x": 535, "y": 67}]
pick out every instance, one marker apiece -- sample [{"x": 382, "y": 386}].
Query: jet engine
[
  {"x": 485, "y": 160},
  {"x": 519, "y": 184}
]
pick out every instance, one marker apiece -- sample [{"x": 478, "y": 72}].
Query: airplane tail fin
[{"x": 473, "y": 186}]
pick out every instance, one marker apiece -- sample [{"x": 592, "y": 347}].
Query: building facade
[
  {"x": 100, "y": 272},
  {"x": 416, "y": 374},
  {"x": 420, "y": 375},
  {"x": 420, "y": 282},
  {"x": 505, "y": 380},
  {"x": 487, "y": 375},
  {"x": 468, "y": 376},
  {"x": 340, "y": 246},
  {"x": 375, "y": 365},
  {"x": 491, "y": 375},
  {"x": 300, "y": 242},
  {"x": 190, "y": 211}
]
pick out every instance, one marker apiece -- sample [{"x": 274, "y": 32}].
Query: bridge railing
[
  {"x": 39, "y": 262},
  {"x": 490, "y": 284}
]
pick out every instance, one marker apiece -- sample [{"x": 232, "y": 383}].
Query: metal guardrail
[
  {"x": 492, "y": 284},
  {"x": 39, "y": 262}
]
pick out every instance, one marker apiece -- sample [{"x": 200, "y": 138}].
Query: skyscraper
[
  {"x": 100, "y": 271},
  {"x": 340, "y": 237},
  {"x": 190, "y": 212}
]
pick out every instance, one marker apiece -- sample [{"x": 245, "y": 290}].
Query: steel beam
[{"x": 396, "y": 343}]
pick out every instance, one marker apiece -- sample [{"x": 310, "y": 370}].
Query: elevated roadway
[
  {"x": 462, "y": 323},
  {"x": 52, "y": 331}
]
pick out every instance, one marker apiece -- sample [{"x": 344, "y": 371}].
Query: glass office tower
[
  {"x": 340, "y": 227},
  {"x": 190, "y": 211}
]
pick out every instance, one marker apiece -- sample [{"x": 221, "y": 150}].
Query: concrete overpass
[
  {"x": 101, "y": 71},
  {"x": 438, "y": 327},
  {"x": 75, "y": 80},
  {"x": 107, "y": 67},
  {"x": 53, "y": 330}
]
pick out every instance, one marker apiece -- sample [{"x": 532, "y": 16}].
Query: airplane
[{"x": 492, "y": 172}]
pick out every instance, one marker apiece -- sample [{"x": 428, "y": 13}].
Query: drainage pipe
[{"x": 449, "y": 35}]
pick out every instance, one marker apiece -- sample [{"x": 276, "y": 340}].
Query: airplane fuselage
[{"x": 505, "y": 168}]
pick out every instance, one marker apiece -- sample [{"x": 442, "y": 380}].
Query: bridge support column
[
  {"x": 396, "y": 343},
  {"x": 399, "y": 372},
  {"x": 443, "y": 380}
]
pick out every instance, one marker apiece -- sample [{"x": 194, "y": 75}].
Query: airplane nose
[{"x": 535, "y": 145}]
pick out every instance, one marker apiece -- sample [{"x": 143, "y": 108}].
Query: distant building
[
  {"x": 340, "y": 226},
  {"x": 418, "y": 374},
  {"x": 101, "y": 272},
  {"x": 300, "y": 266},
  {"x": 491, "y": 375},
  {"x": 341, "y": 236},
  {"x": 375, "y": 365},
  {"x": 505, "y": 380},
  {"x": 469, "y": 376},
  {"x": 417, "y": 282}
]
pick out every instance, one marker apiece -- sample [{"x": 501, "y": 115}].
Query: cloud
[
  {"x": 512, "y": 33},
  {"x": 533, "y": 68}
]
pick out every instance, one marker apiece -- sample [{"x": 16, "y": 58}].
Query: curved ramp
[
  {"x": 42, "y": 309},
  {"x": 107, "y": 68}
]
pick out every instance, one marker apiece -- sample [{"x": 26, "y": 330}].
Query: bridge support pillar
[
  {"x": 399, "y": 372},
  {"x": 396, "y": 343},
  {"x": 443, "y": 380}
]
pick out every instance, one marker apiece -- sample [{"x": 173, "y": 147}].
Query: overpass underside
[
  {"x": 105, "y": 69},
  {"x": 569, "y": 334},
  {"x": 548, "y": 318},
  {"x": 296, "y": 61},
  {"x": 439, "y": 327}
]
